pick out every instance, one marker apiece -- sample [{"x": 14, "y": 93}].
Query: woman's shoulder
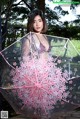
[
  {"x": 28, "y": 36},
  {"x": 31, "y": 34}
]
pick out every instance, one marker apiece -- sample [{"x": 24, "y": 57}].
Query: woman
[
  {"x": 43, "y": 81},
  {"x": 37, "y": 25}
]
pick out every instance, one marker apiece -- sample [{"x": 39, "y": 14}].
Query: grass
[{"x": 65, "y": 47}]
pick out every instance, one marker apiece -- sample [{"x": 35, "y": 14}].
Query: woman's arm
[{"x": 25, "y": 47}]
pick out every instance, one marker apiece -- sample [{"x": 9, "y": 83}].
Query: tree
[{"x": 12, "y": 10}]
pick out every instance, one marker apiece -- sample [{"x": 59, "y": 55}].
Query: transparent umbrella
[{"x": 36, "y": 81}]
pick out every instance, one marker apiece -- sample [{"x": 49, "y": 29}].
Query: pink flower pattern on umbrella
[{"x": 40, "y": 83}]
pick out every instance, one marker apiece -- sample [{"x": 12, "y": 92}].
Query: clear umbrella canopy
[{"x": 40, "y": 78}]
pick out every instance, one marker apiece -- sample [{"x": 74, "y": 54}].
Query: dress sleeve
[{"x": 25, "y": 47}]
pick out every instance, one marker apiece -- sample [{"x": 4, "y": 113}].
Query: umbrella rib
[
  {"x": 16, "y": 87},
  {"x": 30, "y": 80},
  {"x": 70, "y": 102},
  {"x": 49, "y": 92},
  {"x": 7, "y": 61}
]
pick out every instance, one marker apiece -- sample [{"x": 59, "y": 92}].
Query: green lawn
[{"x": 64, "y": 47}]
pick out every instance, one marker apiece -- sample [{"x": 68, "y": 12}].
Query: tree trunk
[
  {"x": 0, "y": 32},
  {"x": 41, "y": 5}
]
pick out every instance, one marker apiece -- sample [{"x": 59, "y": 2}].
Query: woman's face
[{"x": 38, "y": 24}]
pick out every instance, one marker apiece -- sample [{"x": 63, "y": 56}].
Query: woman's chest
[{"x": 41, "y": 43}]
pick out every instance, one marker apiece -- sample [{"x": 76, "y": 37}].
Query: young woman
[
  {"x": 37, "y": 25},
  {"x": 47, "y": 81}
]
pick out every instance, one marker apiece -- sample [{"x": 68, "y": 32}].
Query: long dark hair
[{"x": 31, "y": 17}]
